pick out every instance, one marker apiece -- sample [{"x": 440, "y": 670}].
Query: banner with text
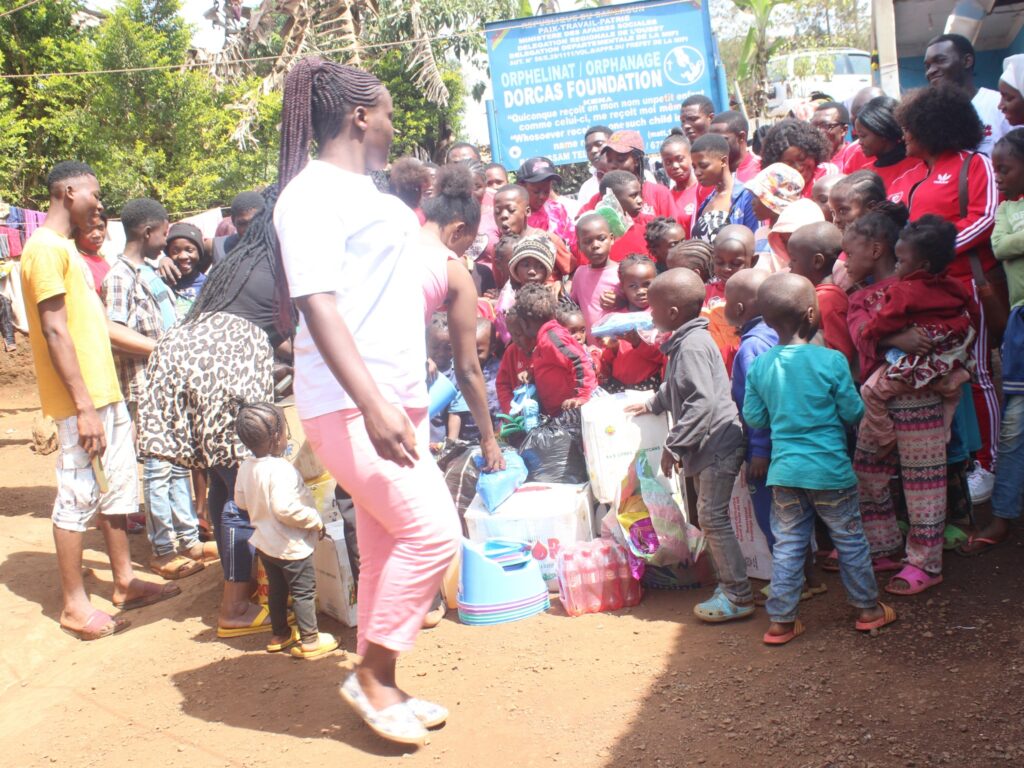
[{"x": 626, "y": 66}]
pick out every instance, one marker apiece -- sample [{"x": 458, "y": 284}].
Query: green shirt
[
  {"x": 1008, "y": 246},
  {"x": 805, "y": 394}
]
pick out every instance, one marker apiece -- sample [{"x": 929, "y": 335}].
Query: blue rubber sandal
[{"x": 720, "y": 608}]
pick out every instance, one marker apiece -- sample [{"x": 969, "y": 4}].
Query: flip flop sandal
[
  {"x": 888, "y": 617},
  {"x": 953, "y": 537},
  {"x": 98, "y": 626},
  {"x": 427, "y": 712},
  {"x": 325, "y": 644},
  {"x": 720, "y": 608},
  {"x": 793, "y": 634},
  {"x": 177, "y": 567},
  {"x": 154, "y": 593},
  {"x": 260, "y": 624},
  {"x": 278, "y": 647},
  {"x": 988, "y": 541},
  {"x": 810, "y": 591},
  {"x": 762, "y": 595},
  {"x": 917, "y": 580},
  {"x": 396, "y": 723}
]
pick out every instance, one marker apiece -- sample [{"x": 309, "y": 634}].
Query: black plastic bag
[
  {"x": 460, "y": 475},
  {"x": 553, "y": 452}
]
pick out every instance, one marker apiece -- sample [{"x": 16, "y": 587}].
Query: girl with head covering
[
  {"x": 774, "y": 188},
  {"x": 1011, "y": 89}
]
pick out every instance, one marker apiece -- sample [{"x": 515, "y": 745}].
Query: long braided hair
[
  {"x": 317, "y": 96},
  {"x": 228, "y": 277}
]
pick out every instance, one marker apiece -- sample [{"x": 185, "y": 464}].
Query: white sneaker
[{"x": 980, "y": 483}]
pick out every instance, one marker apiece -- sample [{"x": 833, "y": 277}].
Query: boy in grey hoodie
[{"x": 706, "y": 438}]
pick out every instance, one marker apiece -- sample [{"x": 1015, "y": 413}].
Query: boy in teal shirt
[{"x": 806, "y": 395}]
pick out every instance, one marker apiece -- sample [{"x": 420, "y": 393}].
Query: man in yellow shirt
[{"x": 78, "y": 388}]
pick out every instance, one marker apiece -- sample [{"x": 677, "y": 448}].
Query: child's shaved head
[
  {"x": 819, "y": 237},
  {"x": 676, "y": 297},
  {"x": 738, "y": 232},
  {"x": 813, "y": 250},
  {"x": 789, "y": 304},
  {"x": 741, "y": 303}
]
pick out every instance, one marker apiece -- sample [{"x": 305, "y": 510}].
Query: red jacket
[
  {"x": 562, "y": 369},
  {"x": 921, "y": 299},
  {"x": 631, "y": 365},
  {"x": 633, "y": 241},
  {"x": 513, "y": 362},
  {"x": 900, "y": 178},
  {"x": 939, "y": 194},
  {"x": 833, "y": 306}
]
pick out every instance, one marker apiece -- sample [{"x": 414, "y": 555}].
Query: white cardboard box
[
  {"x": 548, "y": 516},
  {"x": 335, "y": 584}
]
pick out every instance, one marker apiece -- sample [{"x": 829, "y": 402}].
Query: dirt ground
[{"x": 650, "y": 686}]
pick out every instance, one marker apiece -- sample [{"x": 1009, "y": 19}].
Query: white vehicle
[{"x": 838, "y": 72}]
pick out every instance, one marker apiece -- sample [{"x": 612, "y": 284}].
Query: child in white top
[{"x": 287, "y": 525}]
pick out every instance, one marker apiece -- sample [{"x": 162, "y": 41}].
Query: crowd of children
[{"x": 812, "y": 323}]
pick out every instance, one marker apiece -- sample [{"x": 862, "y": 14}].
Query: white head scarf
[{"x": 1013, "y": 72}]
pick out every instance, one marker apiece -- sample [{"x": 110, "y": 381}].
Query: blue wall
[{"x": 988, "y": 66}]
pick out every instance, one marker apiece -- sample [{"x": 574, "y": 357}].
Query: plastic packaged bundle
[
  {"x": 495, "y": 487},
  {"x": 594, "y": 577}
]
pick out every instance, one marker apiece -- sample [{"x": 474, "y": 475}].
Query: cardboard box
[
  {"x": 548, "y": 516},
  {"x": 335, "y": 583}
]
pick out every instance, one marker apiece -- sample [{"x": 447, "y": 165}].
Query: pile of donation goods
[{"x": 581, "y": 511}]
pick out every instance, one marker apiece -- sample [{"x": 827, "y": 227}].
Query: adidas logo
[{"x": 944, "y": 178}]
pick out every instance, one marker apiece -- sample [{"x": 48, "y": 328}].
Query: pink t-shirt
[{"x": 587, "y": 286}]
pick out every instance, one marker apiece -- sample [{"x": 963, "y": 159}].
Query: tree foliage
[
  {"x": 165, "y": 129},
  {"x": 162, "y": 132}
]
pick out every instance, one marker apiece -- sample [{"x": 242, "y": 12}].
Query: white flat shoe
[
  {"x": 427, "y": 712},
  {"x": 396, "y": 723}
]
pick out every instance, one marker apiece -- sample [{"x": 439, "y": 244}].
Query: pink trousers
[{"x": 406, "y": 525}]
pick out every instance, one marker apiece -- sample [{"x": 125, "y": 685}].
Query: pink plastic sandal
[{"x": 917, "y": 580}]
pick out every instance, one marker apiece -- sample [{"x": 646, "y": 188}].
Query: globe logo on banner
[{"x": 684, "y": 65}]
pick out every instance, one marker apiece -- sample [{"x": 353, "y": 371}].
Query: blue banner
[{"x": 625, "y": 66}]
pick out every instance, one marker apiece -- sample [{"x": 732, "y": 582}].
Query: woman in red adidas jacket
[{"x": 941, "y": 127}]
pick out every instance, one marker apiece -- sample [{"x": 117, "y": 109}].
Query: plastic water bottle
[
  {"x": 612, "y": 599},
  {"x": 570, "y": 585},
  {"x": 630, "y": 587},
  {"x": 531, "y": 414},
  {"x": 591, "y": 571}
]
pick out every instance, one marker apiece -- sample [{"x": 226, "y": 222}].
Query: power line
[
  {"x": 20, "y": 7},
  {"x": 216, "y": 63}
]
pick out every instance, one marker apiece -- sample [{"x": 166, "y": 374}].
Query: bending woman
[
  {"x": 360, "y": 356},
  {"x": 202, "y": 369}
]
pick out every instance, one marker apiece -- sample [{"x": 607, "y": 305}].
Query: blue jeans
[
  {"x": 1008, "y": 493},
  {"x": 231, "y": 525},
  {"x": 793, "y": 511},
  {"x": 170, "y": 517},
  {"x": 716, "y": 484}
]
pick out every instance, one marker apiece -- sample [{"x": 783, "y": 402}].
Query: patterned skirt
[{"x": 199, "y": 374}]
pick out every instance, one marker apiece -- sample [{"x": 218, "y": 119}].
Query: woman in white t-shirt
[{"x": 360, "y": 370}]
